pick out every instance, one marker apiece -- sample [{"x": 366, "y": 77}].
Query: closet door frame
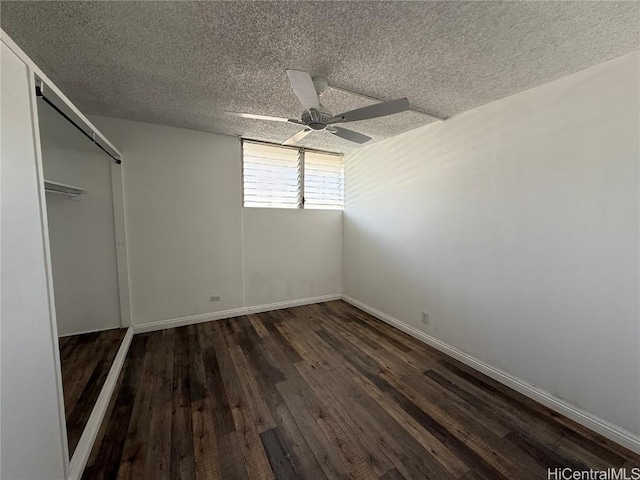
[
  {"x": 73, "y": 467},
  {"x": 122, "y": 258},
  {"x": 52, "y": 93},
  {"x": 78, "y": 461}
]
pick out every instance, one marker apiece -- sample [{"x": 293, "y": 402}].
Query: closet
[
  {"x": 65, "y": 309},
  {"x": 82, "y": 241}
]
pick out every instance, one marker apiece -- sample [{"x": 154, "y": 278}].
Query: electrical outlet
[
  {"x": 425, "y": 318},
  {"x": 214, "y": 298}
]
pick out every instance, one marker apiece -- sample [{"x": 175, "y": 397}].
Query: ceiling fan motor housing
[{"x": 316, "y": 119}]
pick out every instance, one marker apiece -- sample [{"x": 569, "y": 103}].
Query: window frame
[{"x": 301, "y": 156}]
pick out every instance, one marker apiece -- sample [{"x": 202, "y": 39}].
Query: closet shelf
[{"x": 62, "y": 189}]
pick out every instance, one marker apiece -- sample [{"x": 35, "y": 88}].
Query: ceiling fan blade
[
  {"x": 297, "y": 137},
  {"x": 265, "y": 117},
  {"x": 303, "y": 88},
  {"x": 349, "y": 135},
  {"x": 373, "y": 111}
]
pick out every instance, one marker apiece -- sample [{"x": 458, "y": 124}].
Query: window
[
  {"x": 323, "y": 180},
  {"x": 272, "y": 176},
  {"x": 291, "y": 177}
]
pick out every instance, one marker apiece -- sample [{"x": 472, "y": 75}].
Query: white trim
[
  {"x": 120, "y": 239},
  {"x": 244, "y": 289},
  {"x": 90, "y": 432},
  {"x": 592, "y": 422},
  {"x": 44, "y": 225},
  {"x": 93, "y": 330},
  {"x": 235, "y": 312}
]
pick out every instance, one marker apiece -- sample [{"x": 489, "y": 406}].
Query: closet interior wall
[{"x": 81, "y": 229}]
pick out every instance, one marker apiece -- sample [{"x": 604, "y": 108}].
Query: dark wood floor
[
  {"x": 324, "y": 391},
  {"x": 85, "y": 360}
]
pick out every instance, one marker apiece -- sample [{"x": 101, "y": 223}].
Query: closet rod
[{"x": 40, "y": 94}]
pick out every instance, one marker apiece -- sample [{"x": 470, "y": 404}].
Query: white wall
[
  {"x": 31, "y": 422},
  {"x": 182, "y": 204},
  {"x": 183, "y": 194},
  {"x": 291, "y": 254},
  {"x": 81, "y": 231},
  {"x": 516, "y": 226}
]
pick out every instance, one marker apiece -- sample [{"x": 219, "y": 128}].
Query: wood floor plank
[
  {"x": 250, "y": 443},
  {"x": 94, "y": 465},
  {"x": 577, "y": 434},
  {"x": 327, "y": 458},
  {"x": 107, "y": 461},
  {"x": 182, "y": 454},
  {"x": 540, "y": 450},
  {"x": 158, "y": 458},
  {"x": 282, "y": 465},
  {"x": 305, "y": 349},
  {"x": 407, "y": 455},
  {"x": 258, "y": 326},
  {"x": 392, "y": 475},
  {"x": 316, "y": 392},
  {"x": 284, "y": 355},
  {"x": 353, "y": 461},
  {"x": 474, "y": 449},
  {"x": 78, "y": 367},
  {"x": 480, "y": 455},
  {"x": 205, "y": 445},
  {"x": 293, "y": 439},
  {"x": 545, "y": 432},
  {"x": 85, "y": 363},
  {"x": 389, "y": 362},
  {"x": 224, "y": 391},
  {"x": 232, "y": 464},
  {"x": 134, "y": 452},
  {"x": 252, "y": 394},
  {"x": 354, "y": 428},
  {"x": 289, "y": 351},
  {"x": 428, "y": 441},
  {"x": 468, "y": 413},
  {"x": 371, "y": 371},
  {"x": 260, "y": 359},
  {"x": 216, "y": 390},
  {"x": 245, "y": 426}
]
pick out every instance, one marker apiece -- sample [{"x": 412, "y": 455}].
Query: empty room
[{"x": 320, "y": 240}]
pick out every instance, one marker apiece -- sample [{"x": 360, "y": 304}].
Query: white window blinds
[
  {"x": 291, "y": 177},
  {"x": 323, "y": 180},
  {"x": 272, "y": 176}
]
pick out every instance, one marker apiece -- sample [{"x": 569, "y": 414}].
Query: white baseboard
[
  {"x": 598, "y": 425},
  {"x": 235, "y": 312},
  {"x": 90, "y": 432},
  {"x": 94, "y": 330}
]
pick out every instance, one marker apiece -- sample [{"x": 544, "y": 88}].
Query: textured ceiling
[{"x": 183, "y": 63}]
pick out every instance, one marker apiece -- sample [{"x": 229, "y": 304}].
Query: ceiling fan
[{"x": 316, "y": 117}]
